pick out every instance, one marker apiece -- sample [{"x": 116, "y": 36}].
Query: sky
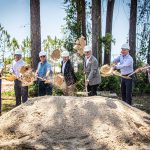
[{"x": 15, "y": 18}]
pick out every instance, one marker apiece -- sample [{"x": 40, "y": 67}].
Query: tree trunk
[
  {"x": 96, "y": 30},
  {"x": 79, "y": 17},
  {"x": 83, "y": 4},
  {"x": 35, "y": 32},
  {"x": 109, "y": 20},
  {"x": 148, "y": 56},
  {"x": 132, "y": 30}
]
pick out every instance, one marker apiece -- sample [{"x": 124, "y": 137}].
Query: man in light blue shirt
[
  {"x": 124, "y": 62},
  {"x": 44, "y": 71}
]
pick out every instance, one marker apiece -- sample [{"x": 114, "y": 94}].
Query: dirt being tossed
[{"x": 75, "y": 123}]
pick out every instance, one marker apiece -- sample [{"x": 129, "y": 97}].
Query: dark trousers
[
  {"x": 92, "y": 90},
  {"x": 44, "y": 89},
  {"x": 126, "y": 90},
  {"x": 21, "y": 92}
]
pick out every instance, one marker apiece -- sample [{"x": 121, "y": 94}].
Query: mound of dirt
[{"x": 75, "y": 123}]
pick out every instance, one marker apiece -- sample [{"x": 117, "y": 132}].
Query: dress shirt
[
  {"x": 125, "y": 64},
  {"x": 43, "y": 68},
  {"x": 87, "y": 61},
  {"x": 63, "y": 67},
  {"x": 16, "y": 66}
]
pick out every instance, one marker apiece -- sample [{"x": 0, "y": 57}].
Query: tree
[
  {"x": 148, "y": 54},
  {"x": 109, "y": 20},
  {"x": 83, "y": 8},
  {"x": 50, "y": 44},
  {"x": 4, "y": 43},
  {"x": 143, "y": 30},
  {"x": 75, "y": 21},
  {"x": 26, "y": 47},
  {"x": 35, "y": 32},
  {"x": 14, "y": 44},
  {"x": 96, "y": 30},
  {"x": 132, "y": 30}
]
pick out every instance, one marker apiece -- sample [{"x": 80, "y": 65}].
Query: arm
[
  {"x": 11, "y": 68},
  {"x": 116, "y": 60},
  {"x": 125, "y": 64}
]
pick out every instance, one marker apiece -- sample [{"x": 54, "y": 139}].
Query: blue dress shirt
[
  {"x": 43, "y": 68},
  {"x": 124, "y": 63}
]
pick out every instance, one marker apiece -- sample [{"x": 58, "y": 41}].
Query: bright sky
[{"x": 15, "y": 17}]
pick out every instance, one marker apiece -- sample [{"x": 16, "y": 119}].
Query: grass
[
  {"x": 7, "y": 105},
  {"x": 140, "y": 102}
]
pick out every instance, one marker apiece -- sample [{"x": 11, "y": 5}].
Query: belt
[{"x": 126, "y": 74}]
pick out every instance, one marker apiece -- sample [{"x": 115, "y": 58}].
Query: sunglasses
[
  {"x": 87, "y": 52},
  {"x": 42, "y": 56}
]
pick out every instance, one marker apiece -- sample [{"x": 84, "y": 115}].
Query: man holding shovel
[
  {"x": 124, "y": 62},
  {"x": 92, "y": 76},
  {"x": 68, "y": 72},
  {"x": 21, "y": 92},
  {"x": 44, "y": 72}
]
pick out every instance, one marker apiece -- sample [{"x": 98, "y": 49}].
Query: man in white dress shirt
[{"x": 21, "y": 93}]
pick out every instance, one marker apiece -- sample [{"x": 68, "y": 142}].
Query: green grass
[{"x": 7, "y": 105}]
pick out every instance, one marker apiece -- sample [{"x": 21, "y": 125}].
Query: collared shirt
[
  {"x": 125, "y": 64},
  {"x": 87, "y": 61},
  {"x": 63, "y": 67},
  {"x": 43, "y": 68},
  {"x": 16, "y": 66}
]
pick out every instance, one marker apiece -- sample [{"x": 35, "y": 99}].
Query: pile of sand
[{"x": 75, "y": 123}]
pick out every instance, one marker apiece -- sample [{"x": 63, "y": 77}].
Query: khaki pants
[{"x": 69, "y": 90}]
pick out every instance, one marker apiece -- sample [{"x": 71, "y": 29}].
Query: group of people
[{"x": 124, "y": 63}]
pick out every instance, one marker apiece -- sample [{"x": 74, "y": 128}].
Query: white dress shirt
[
  {"x": 87, "y": 61},
  {"x": 63, "y": 67},
  {"x": 16, "y": 66}
]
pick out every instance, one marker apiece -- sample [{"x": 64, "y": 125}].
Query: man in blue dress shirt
[
  {"x": 124, "y": 62},
  {"x": 44, "y": 71}
]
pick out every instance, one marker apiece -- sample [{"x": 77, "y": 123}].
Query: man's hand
[{"x": 114, "y": 67}]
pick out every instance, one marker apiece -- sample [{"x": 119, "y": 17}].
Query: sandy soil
[{"x": 75, "y": 123}]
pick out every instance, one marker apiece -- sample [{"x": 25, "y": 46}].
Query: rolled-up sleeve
[
  {"x": 127, "y": 63},
  {"x": 116, "y": 60}
]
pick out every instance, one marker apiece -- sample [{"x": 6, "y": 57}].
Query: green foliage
[
  {"x": 33, "y": 90},
  {"x": 143, "y": 25},
  {"x": 111, "y": 83},
  {"x": 141, "y": 84},
  {"x": 80, "y": 82},
  {"x": 106, "y": 40},
  {"x": 10, "y": 93},
  {"x": 57, "y": 91},
  {"x": 7, "y": 105}
]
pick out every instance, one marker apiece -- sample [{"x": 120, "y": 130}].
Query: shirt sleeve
[
  {"x": 116, "y": 60},
  {"x": 125, "y": 64},
  {"x": 11, "y": 68}
]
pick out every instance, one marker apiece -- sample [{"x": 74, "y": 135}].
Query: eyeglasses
[
  {"x": 42, "y": 56},
  {"x": 87, "y": 52}
]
